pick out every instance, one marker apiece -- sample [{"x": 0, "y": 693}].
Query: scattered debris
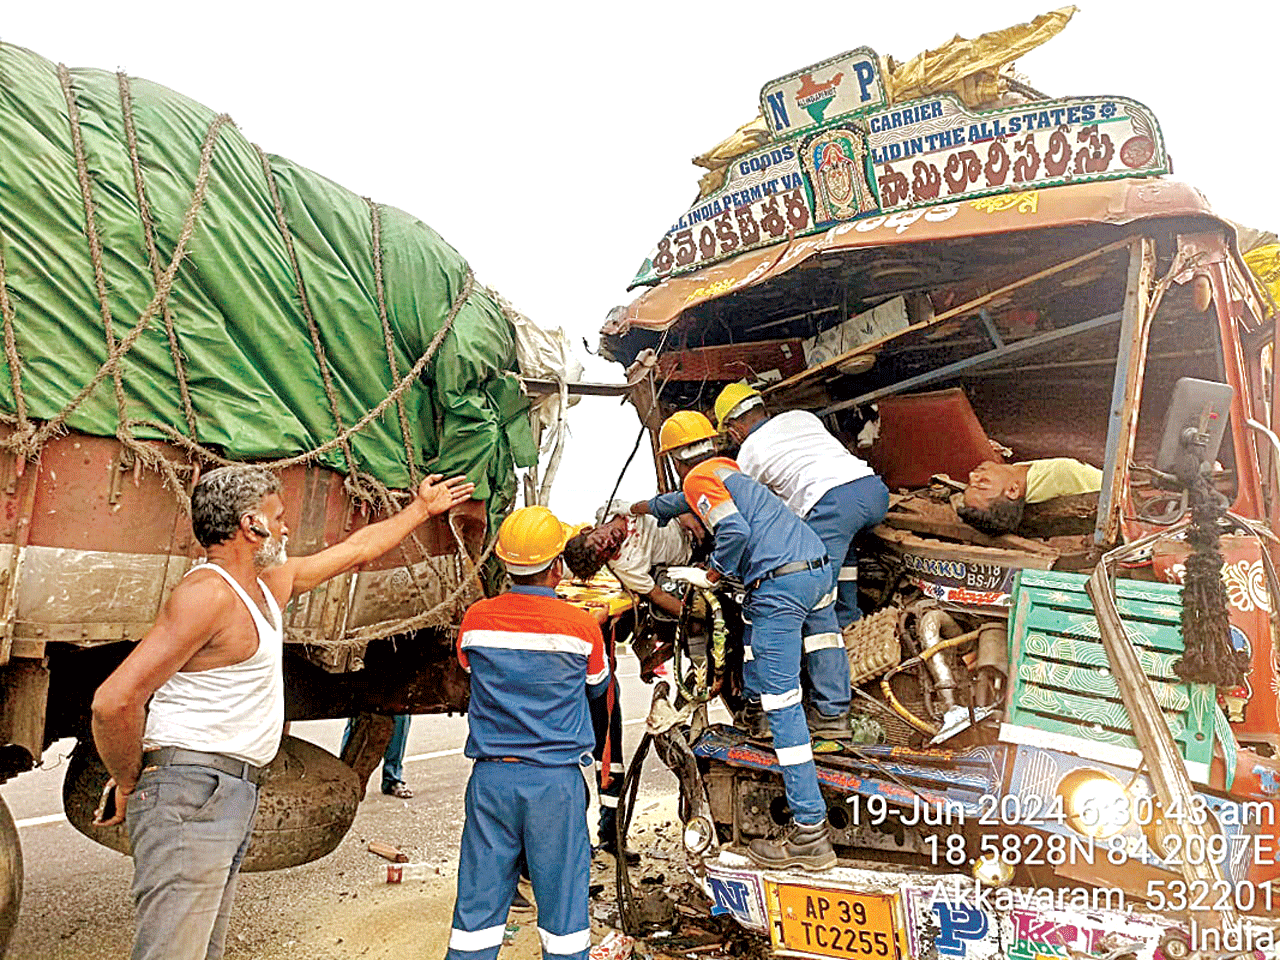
[
  {"x": 388, "y": 852},
  {"x": 404, "y": 872},
  {"x": 671, "y": 912},
  {"x": 615, "y": 946}
]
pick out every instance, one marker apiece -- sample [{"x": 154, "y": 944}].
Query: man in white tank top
[{"x": 186, "y": 769}]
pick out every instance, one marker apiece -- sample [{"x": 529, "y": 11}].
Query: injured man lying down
[{"x": 997, "y": 493}]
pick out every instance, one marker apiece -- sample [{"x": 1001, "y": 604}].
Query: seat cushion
[{"x": 926, "y": 433}]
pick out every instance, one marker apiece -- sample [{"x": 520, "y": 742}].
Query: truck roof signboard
[{"x": 839, "y": 151}]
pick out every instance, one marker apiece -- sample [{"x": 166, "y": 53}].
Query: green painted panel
[
  {"x": 1065, "y": 677},
  {"x": 1158, "y": 666},
  {"x": 1061, "y": 679},
  {"x": 1083, "y": 626},
  {"x": 1166, "y": 593}
]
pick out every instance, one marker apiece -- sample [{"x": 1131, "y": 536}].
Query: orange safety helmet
[
  {"x": 530, "y": 539},
  {"x": 683, "y": 428}
]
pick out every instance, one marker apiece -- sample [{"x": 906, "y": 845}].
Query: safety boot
[
  {"x": 822, "y": 727},
  {"x": 801, "y": 845},
  {"x": 754, "y": 721}
]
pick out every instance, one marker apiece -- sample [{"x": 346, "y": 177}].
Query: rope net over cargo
[{"x": 243, "y": 308}]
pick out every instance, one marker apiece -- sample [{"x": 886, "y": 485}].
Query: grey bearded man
[{"x": 185, "y": 769}]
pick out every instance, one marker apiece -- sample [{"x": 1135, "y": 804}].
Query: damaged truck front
[
  {"x": 1050, "y": 757},
  {"x": 173, "y": 299}
]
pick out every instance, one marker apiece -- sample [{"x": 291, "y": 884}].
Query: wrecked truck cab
[{"x": 944, "y": 289}]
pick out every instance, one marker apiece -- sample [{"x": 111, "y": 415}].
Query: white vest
[{"x": 237, "y": 710}]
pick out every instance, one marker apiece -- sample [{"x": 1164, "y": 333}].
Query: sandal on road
[{"x": 400, "y": 790}]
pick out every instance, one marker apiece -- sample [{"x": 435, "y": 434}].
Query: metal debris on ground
[{"x": 672, "y": 912}]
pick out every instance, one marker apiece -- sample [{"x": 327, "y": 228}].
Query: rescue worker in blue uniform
[
  {"x": 534, "y": 659},
  {"x": 838, "y": 495},
  {"x": 785, "y": 568}
]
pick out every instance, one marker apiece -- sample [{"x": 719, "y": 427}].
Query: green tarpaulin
[{"x": 256, "y": 384}]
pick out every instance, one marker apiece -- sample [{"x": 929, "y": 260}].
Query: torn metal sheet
[{"x": 1110, "y": 202}]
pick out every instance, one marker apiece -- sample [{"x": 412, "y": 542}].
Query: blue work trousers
[
  {"x": 189, "y": 828},
  {"x": 779, "y": 609},
  {"x": 514, "y": 807},
  {"x": 606, "y": 718},
  {"x": 826, "y": 665},
  {"x": 840, "y": 515}
]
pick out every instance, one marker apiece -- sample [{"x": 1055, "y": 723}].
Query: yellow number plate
[{"x": 836, "y": 923}]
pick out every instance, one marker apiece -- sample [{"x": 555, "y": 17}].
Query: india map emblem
[{"x": 814, "y": 97}]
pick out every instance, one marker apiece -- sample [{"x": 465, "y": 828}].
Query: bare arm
[
  {"x": 301, "y": 574},
  {"x": 187, "y": 622}
]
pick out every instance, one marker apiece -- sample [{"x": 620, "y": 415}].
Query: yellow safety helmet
[
  {"x": 683, "y": 428},
  {"x": 530, "y": 540},
  {"x": 733, "y": 401}
]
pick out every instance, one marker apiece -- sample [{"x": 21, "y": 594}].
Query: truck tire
[
  {"x": 10, "y": 876},
  {"x": 305, "y": 807}
]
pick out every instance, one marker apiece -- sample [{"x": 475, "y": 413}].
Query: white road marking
[
  {"x": 38, "y": 821},
  {"x": 436, "y": 755}
]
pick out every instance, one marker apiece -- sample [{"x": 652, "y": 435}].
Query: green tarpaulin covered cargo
[{"x": 257, "y": 312}]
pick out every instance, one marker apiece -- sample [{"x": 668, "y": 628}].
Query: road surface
[{"x": 76, "y": 904}]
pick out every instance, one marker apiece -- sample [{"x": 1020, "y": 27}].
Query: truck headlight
[
  {"x": 698, "y": 834},
  {"x": 1094, "y": 803}
]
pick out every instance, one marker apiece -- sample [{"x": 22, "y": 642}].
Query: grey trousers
[{"x": 189, "y": 827}]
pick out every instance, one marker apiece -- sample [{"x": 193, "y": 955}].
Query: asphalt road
[{"x": 76, "y": 903}]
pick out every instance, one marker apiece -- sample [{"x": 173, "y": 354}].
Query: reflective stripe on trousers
[
  {"x": 514, "y": 807},
  {"x": 825, "y": 660},
  {"x": 778, "y": 609}
]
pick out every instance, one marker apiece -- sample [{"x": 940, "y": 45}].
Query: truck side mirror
[{"x": 1193, "y": 427}]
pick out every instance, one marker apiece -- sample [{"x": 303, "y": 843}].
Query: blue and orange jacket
[
  {"x": 533, "y": 660},
  {"x": 754, "y": 531}
]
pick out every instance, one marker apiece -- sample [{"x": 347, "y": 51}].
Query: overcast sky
[{"x": 550, "y": 143}]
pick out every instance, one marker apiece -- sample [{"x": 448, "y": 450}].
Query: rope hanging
[
  {"x": 153, "y": 256},
  {"x": 430, "y": 618},
  {"x": 91, "y": 230},
  {"x": 317, "y": 344},
  {"x": 28, "y": 439},
  {"x": 375, "y": 221},
  {"x": 27, "y": 446},
  {"x": 1208, "y": 654},
  {"x": 25, "y": 428},
  {"x": 405, "y": 382}
]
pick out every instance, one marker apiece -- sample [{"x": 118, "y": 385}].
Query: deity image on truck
[{"x": 1065, "y": 716}]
